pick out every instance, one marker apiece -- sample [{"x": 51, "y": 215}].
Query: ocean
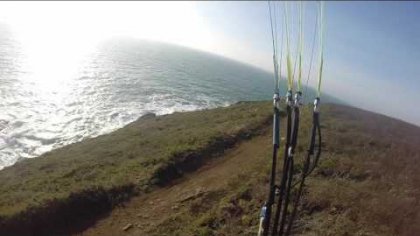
[{"x": 46, "y": 105}]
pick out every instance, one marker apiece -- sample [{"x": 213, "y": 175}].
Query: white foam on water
[{"x": 111, "y": 89}]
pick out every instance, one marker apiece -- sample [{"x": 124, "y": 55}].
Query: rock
[
  {"x": 198, "y": 193},
  {"x": 176, "y": 207},
  {"x": 147, "y": 116},
  {"x": 127, "y": 227}
]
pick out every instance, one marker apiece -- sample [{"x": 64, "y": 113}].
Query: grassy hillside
[
  {"x": 63, "y": 188},
  {"x": 206, "y": 173},
  {"x": 367, "y": 183}
]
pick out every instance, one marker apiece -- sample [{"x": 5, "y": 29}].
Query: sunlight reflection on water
[{"x": 50, "y": 98}]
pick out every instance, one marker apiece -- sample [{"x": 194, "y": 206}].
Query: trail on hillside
[
  {"x": 367, "y": 183},
  {"x": 141, "y": 215}
]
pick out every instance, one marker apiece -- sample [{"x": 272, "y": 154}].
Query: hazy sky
[{"x": 372, "y": 49}]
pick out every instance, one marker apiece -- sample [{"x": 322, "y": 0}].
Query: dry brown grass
[{"x": 367, "y": 181}]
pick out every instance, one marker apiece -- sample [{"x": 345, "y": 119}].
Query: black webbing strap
[
  {"x": 290, "y": 168},
  {"x": 285, "y": 168},
  {"x": 309, "y": 165},
  {"x": 271, "y": 196}
]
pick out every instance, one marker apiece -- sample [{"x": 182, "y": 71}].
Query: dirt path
[{"x": 145, "y": 212}]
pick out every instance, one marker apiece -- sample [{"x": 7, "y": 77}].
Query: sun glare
[{"x": 56, "y": 36}]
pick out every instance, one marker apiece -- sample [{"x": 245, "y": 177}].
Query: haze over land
[{"x": 371, "y": 47}]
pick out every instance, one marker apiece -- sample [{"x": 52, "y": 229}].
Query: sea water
[{"x": 50, "y": 99}]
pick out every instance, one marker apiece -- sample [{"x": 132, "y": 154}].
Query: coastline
[
  {"x": 206, "y": 173},
  {"x": 44, "y": 194}
]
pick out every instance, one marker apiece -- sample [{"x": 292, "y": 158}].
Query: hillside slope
[
  {"x": 367, "y": 183},
  {"x": 65, "y": 190},
  {"x": 206, "y": 173}
]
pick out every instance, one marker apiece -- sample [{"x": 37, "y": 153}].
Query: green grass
[
  {"x": 128, "y": 156},
  {"x": 367, "y": 181}
]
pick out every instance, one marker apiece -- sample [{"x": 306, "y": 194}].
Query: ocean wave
[{"x": 111, "y": 89}]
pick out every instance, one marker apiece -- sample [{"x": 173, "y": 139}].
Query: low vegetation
[
  {"x": 367, "y": 181},
  {"x": 86, "y": 179}
]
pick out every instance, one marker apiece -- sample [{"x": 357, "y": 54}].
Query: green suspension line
[
  {"x": 288, "y": 59},
  {"x": 300, "y": 46},
  {"x": 321, "y": 46}
]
